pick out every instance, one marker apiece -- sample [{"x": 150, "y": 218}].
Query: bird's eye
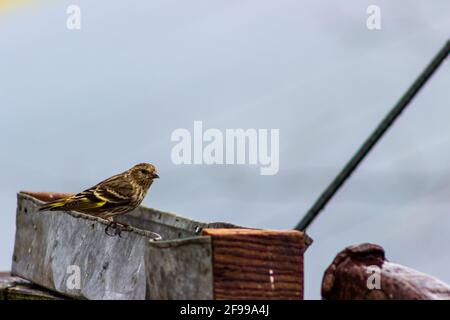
[{"x": 143, "y": 171}]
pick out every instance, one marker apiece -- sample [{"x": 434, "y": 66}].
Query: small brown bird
[{"x": 114, "y": 196}]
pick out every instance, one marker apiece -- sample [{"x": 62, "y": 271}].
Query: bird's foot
[{"x": 117, "y": 228}]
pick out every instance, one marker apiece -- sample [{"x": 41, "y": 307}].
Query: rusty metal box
[{"x": 69, "y": 252}]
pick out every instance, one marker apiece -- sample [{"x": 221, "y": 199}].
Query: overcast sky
[{"x": 77, "y": 106}]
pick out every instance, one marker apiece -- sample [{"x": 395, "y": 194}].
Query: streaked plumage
[{"x": 114, "y": 196}]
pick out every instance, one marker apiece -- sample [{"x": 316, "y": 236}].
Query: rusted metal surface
[
  {"x": 15, "y": 288},
  {"x": 51, "y": 247},
  {"x": 257, "y": 264},
  {"x": 48, "y": 196},
  {"x": 363, "y": 273}
]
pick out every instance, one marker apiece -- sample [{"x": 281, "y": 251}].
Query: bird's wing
[
  {"x": 114, "y": 190},
  {"x": 83, "y": 201}
]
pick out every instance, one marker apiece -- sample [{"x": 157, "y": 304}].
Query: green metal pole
[{"x": 376, "y": 135}]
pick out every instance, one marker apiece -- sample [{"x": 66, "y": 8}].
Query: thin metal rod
[{"x": 376, "y": 135}]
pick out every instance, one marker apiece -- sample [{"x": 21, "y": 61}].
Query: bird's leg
[
  {"x": 112, "y": 224},
  {"x": 118, "y": 227},
  {"x": 122, "y": 227}
]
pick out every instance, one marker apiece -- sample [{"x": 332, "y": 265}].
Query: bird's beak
[{"x": 155, "y": 176}]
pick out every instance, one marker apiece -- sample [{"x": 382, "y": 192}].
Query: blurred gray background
[{"x": 79, "y": 106}]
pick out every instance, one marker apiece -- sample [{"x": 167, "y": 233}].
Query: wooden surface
[
  {"x": 15, "y": 288},
  {"x": 347, "y": 278},
  {"x": 257, "y": 264}
]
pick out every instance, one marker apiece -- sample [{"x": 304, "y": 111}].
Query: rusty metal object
[
  {"x": 48, "y": 196},
  {"x": 257, "y": 264},
  {"x": 50, "y": 243},
  {"x": 362, "y": 273}
]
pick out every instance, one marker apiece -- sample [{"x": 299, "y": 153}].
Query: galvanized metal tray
[{"x": 70, "y": 253}]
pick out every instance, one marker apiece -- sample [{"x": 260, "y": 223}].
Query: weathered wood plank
[
  {"x": 15, "y": 288},
  {"x": 257, "y": 264}
]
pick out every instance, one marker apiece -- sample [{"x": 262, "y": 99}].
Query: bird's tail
[{"x": 54, "y": 205}]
